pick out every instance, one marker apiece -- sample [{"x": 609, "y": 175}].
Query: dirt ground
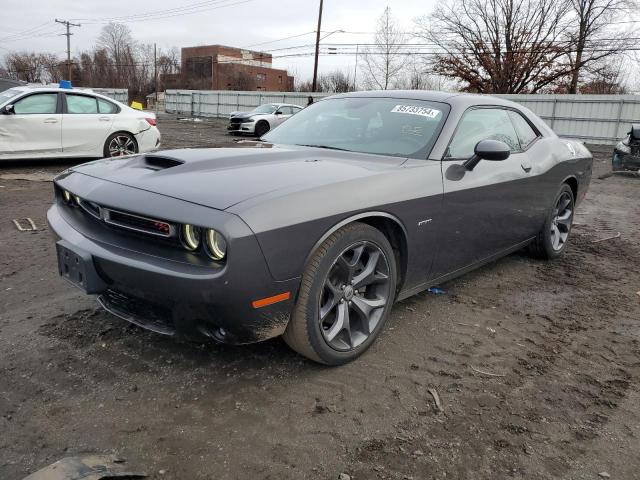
[{"x": 536, "y": 364}]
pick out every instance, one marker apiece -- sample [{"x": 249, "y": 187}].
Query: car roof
[
  {"x": 276, "y": 104},
  {"x": 453, "y": 98},
  {"x": 55, "y": 89}
]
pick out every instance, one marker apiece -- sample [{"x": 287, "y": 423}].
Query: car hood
[
  {"x": 222, "y": 177},
  {"x": 245, "y": 116}
]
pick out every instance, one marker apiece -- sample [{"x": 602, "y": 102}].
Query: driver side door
[
  {"x": 486, "y": 210},
  {"x": 282, "y": 114},
  {"x": 33, "y": 129}
]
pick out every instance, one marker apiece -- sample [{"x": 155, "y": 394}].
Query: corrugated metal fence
[
  {"x": 220, "y": 103},
  {"x": 600, "y": 119},
  {"x": 118, "y": 94}
]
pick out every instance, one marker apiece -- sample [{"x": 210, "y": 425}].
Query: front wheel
[
  {"x": 552, "y": 240},
  {"x": 262, "y": 127},
  {"x": 120, "y": 144},
  {"x": 346, "y": 295}
]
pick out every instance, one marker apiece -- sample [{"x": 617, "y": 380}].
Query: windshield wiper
[{"x": 327, "y": 147}]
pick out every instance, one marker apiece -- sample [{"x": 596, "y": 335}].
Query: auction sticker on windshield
[{"x": 413, "y": 110}]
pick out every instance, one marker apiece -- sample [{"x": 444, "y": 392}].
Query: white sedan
[
  {"x": 51, "y": 122},
  {"x": 261, "y": 119}
]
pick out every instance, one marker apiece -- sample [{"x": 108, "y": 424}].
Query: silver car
[{"x": 262, "y": 119}]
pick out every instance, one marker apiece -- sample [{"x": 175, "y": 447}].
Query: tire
[
  {"x": 120, "y": 143},
  {"x": 262, "y": 127},
  {"x": 552, "y": 240},
  {"x": 359, "y": 252}
]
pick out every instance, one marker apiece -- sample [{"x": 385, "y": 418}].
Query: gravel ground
[{"x": 536, "y": 364}]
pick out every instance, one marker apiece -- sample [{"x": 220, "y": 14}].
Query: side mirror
[
  {"x": 635, "y": 131},
  {"x": 492, "y": 150},
  {"x": 278, "y": 112},
  {"x": 8, "y": 109}
]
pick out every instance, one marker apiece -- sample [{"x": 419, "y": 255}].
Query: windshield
[
  {"x": 9, "y": 94},
  {"x": 382, "y": 126},
  {"x": 264, "y": 109}
]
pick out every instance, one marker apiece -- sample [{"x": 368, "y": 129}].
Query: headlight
[
  {"x": 67, "y": 196},
  {"x": 216, "y": 244},
  {"x": 249, "y": 120},
  {"x": 623, "y": 147},
  {"x": 190, "y": 237}
]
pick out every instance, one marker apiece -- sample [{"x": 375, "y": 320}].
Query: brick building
[{"x": 216, "y": 67}]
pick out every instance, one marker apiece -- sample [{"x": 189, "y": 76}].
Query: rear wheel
[
  {"x": 262, "y": 127},
  {"x": 346, "y": 295},
  {"x": 554, "y": 236},
  {"x": 120, "y": 144}
]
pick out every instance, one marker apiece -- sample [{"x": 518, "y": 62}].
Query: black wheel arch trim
[{"x": 355, "y": 218}]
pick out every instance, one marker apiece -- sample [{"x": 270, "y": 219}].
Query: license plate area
[{"x": 76, "y": 266}]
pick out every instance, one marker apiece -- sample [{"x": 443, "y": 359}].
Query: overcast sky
[{"x": 239, "y": 23}]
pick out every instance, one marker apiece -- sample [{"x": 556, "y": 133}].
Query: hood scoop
[{"x": 158, "y": 162}]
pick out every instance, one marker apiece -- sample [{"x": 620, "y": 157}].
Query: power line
[
  {"x": 281, "y": 39},
  {"x": 152, "y": 16},
  {"x": 27, "y": 31},
  {"x": 135, "y": 16}
]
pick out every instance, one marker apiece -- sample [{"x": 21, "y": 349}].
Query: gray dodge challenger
[{"x": 313, "y": 232}]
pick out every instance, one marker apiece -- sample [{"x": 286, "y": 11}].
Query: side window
[
  {"x": 37, "y": 103},
  {"x": 106, "y": 107},
  {"x": 285, "y": 110},
  {"x": 295, "y": 110},
  {"x": 482, "y": 124},
  {"x": 526, "y": 134},
  {"x": 81, "y": 104}
]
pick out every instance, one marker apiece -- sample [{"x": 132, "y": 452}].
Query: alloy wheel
[
  {"x": 121, "y": 145},
  {"x": 354, "y": 294},
  {"x": 561, "y": 223}
]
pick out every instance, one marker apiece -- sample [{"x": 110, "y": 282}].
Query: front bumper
[
  {"x": 241, "y": 127},
  {"x": 176, "y": 297},
  {"x": 625, "y": 161}
]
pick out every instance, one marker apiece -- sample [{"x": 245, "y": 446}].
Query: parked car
[
  {"x": 359, "y": 200},
  {"x": 45, "y": 122},
  {"x": 626, "y": 154},
  {"x": 262, "y": 119}
]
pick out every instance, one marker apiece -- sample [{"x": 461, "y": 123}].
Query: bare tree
[
  {"x": 337, "y": 81},
  {"x": 608, "y": 79},
  {"x": 384, "y": 61},
  {"x": 26, "y": 66},
  {"x": 416, "y": 76},
  {"x": 498, "y": 46},
  {"x": 586, "y": 40},
  {"x": 116, "y": 39}
]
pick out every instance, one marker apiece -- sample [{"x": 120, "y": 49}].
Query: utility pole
[
  {"x": 315, "y": 66},
  {"x": 155, "y": 74},
  {"x": 68, "y": 24},
  {"x": 355, "y": 70}
]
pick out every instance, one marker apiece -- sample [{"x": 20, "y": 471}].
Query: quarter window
[
  {"x": 482, "y": 124},
  {"x": 46, "y": 103},
  {"x": 81, "y": 104},
  {"x": 526, "y": 134},
  {"x": 106, "y": 107}
]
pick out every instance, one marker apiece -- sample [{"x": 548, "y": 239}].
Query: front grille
[
  {"x": 138, "y": 223},
  {"x": 139, "y": 311}
]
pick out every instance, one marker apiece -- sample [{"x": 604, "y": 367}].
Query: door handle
[
  {"x": 51, "y": 120},
  {"x": 526, "y": 166},
  {"x": 104, "y": 119}
]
